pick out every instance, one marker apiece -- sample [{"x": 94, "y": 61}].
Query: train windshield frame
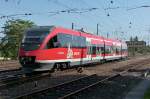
[{"x": 34, "y": 37}]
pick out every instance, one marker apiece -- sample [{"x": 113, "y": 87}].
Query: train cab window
[{"x": 53, "y": 43}]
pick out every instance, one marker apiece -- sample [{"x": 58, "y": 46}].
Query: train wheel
[
  {"x": 57, "y": 67},
  {"x": 79, "y": 69},
  {"x": 103, "y": 61},
  {"x": 65, "y": 65}
]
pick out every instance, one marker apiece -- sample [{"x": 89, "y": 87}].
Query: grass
[{"x": 147, "y": 94}]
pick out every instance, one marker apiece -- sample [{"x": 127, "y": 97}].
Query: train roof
[
  {"x": 40, "y": 28},
  {"x": 86, "y": 34},
  {"x": 83, "y": 33}
]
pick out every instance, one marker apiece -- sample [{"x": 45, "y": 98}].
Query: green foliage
[
  {"x": 133, "y": 50},
  {"x": 13, "y": 31},
  {"x": 144, "y": 50}
]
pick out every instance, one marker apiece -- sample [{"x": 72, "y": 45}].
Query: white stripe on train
[{"x": 78, "y": 59}]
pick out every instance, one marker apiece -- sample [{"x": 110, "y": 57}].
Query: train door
[
  {"x": 121, "y": 51},
  {"x": 114, "y": 49},
  {"x": 98, "y": 52},
  {"x": 89, "y": 49},
  {"x": 103, "y": 50}
]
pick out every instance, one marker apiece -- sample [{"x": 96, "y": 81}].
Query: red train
[{"x": 45, "y": 48}]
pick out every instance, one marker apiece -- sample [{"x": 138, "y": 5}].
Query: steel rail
[
  {"x": 42, "y": 90},
  {"x": 38, "y": 91},
  {"x": 22, "y": 80},
  {"x": 99, "y": 82}
]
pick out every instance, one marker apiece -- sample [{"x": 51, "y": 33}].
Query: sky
[{"x": 115, "y": 17}]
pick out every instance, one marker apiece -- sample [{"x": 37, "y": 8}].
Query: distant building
[{"x": 136, "y": 44}]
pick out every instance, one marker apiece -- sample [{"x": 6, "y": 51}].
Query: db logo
[{"x": 70, "y": 53}]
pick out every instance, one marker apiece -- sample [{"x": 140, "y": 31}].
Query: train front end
[{"x": 31, "y": 48}]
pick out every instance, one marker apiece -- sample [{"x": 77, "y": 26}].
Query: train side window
[
  {"x": 94, "y": 49},
  {"x": 53, "y": 43},
  {"x": 74, "y": 41},
  {"x": 118, "y": 50},
  {"x": 65, "y": 40},
  {"x": 102, "y": 50},
  {"x": 108, "y": 49},
  {"x": 98, "y": 50}
]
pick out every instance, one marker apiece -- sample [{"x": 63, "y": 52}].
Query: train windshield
[
  {"x": 34, "y": 36},
  {"x": 33, "y": 39}
]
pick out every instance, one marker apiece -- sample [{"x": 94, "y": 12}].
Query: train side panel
[{"x": 64, "y": 47}]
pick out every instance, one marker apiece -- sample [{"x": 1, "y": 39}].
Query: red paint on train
[{"x": 56, "y": 45}]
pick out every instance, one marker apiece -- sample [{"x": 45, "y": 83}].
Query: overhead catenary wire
[
  {"x": 143, "y": 6},
  {"x": 51, "y": 13},
  {"x": 131, "y": 10},
  {"x": 97, "y": 15},
  {"x": 107, "y": 10},
  {"x": 70, "y": 10},
  {"x": 76, "y": 12}
]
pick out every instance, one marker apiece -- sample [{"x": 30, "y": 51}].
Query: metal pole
[
  {"x": 97, "y": 28},
  {"x": 107, "y": 35},
  {"x": 72, "y": 26}
]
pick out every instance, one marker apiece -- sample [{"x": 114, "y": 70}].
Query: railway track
[
  {"x": 21, "y": 80},
  {"x": 9, "y": 73},
  {"x": 16, "y": 76},
  {"x": 139, "y": 63},
  {"x": 9, "y": 66},
  {"x": 71, "y": 88},
  {"x": 18, "y": 80},
  {"x": 8, "y": 62},
  {"x": 11, "y": 70}
]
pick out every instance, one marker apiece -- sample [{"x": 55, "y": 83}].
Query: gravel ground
[
  {"x": 70, "y": 74},
  {"x": 16, "y": 90},
  {"x": 9, "y": 65},
  {"x": 9, "y": 74},
  {"x": 55, "y": 93},
  {"x": 115, "y": 89},
  {"x": 14, "y": 64},
  {"x": 108, "y": 68}
]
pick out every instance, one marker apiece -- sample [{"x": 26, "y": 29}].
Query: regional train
[{"x": 45, "y": 48}]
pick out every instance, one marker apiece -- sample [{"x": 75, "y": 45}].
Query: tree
[{"x": 13, "y": 31}]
